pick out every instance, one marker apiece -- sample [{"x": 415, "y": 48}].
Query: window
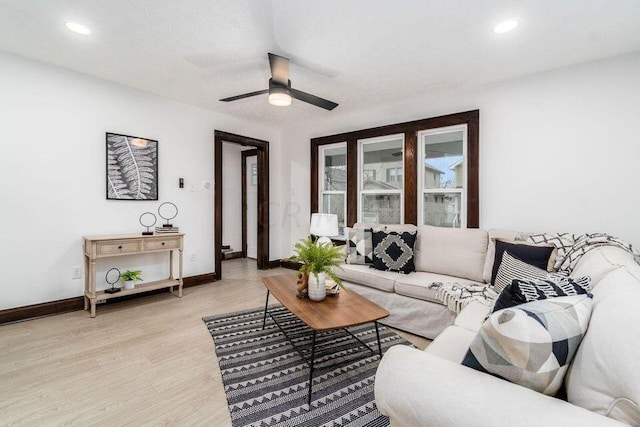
[
  {"x": 442, "y": 174},
  {"x": 333, "y": 181},
  {"x": 381, "y": 200},
  {"x": 394, "y": 175},
  {"x": 419, "y": 186},
  {"x": 370, "y": 174}
]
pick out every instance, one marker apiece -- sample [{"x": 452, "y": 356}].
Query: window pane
[
  {"x": 381, "y": 208},
  {"x": 334, "y": 204},
  {"x": 443, "y": 160},
  {"x": 382, "y": 168},
  {"x": 442, "y": 209},
  {"x": 335, "y": 168}
]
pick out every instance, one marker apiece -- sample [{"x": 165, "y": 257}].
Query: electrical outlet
[
  {"x": 76, "y": 272},
  {"x": 193, "y": 257}
]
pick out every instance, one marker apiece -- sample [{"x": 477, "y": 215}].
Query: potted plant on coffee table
[
  {"x": 318, "y": 263},
  {"x": 130, "y": 277}
]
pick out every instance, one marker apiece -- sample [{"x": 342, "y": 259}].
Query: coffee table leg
[
  {"x": 266, "y": 304},
  {"x": 378, "y": 336},
  {"x": 313, "y": 353}
]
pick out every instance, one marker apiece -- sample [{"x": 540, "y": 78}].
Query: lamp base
[{"x": 324, "y": 241}]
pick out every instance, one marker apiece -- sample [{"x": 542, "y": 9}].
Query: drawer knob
[
  {"x": 119, "y": 247},
  {"x": 162, "y": 243}
]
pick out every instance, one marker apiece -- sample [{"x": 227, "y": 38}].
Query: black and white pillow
[
  {"x": 524, "y": 291},
  {"x": 532, "y": 344},
  {"x": 537, "y": 256},
  {"x": 513, "y": 268},
  {"x": 359, "y": 246},
  {"x": 393, "y": 251}
]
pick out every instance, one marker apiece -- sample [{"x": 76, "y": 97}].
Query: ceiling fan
[{"x": 280, "y": 91}]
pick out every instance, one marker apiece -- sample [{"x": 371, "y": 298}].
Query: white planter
[
  {"x": 317, "y": 290},
  {"x": 129, "y": 284}
]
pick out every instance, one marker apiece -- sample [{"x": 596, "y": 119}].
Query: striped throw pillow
[{"x": 512, "y": 268}]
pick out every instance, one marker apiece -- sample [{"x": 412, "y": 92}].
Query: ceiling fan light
[
  {"x": 279, "y": 94},
  {"x": 280, "y": 99}
]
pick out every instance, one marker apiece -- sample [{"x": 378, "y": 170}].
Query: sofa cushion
[
  {"x": 537, "y": 256},
  {"x": 451, "y": 251},
  {"x": 532, "y": 344},
  {"x": 513, "y": 268},
  {"x": 604, "y": 376},
  {"x": 359, "y": 245},
  {"x": 452, "y": 344},
  {"x": 416, "y": 285},
  {"x": 393, "y": 251},
  {"x": 363, "y": 275},
  {"x": 524, "y": 291}
]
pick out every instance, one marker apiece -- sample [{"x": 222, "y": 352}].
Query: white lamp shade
[{"x": 324, "y": 224}]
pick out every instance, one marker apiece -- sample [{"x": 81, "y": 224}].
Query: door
[{"x": 252, "y": 206}]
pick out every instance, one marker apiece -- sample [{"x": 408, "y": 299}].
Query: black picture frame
[{"x": 131, "y": 167}]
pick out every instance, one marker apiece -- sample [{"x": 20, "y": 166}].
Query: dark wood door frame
[
  {"x": 245, "y": 154},
  {"x": 262, "y": 148}
]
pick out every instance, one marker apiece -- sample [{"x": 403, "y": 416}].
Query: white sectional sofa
[
  {"x": 441, "y": 255},
  {"x": 431, "y": 388}
]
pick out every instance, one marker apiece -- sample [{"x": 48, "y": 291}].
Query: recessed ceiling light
[
  {"x": 78, "y": 28},
  {"x": 505, "y": 27}
]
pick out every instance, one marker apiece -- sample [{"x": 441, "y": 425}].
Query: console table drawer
[
  {"x": 115, "y": 247},
  {"x": 161, "y": 244}
]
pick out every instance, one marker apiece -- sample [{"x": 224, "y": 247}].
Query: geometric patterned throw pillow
[
  {"x": 524, "y": 291},
  {"x": 532, "y": 344},
  {"x": 359, "y": 246},
  {"x": 512, "y": 268},
  {"x": 393, "y": 251}
]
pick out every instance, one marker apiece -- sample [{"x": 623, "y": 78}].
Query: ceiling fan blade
[
  {"x": 245, "y": 95},
  {"x": 312, "y": 99},
  {"x": 279, "y": 68}
]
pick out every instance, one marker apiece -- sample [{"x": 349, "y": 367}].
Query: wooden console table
[{"x": 96, "y": 247}]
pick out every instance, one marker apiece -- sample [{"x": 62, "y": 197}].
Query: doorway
[{"x": 262, "y": 189}]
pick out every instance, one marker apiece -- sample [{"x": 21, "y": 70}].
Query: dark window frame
[{"x": 410, "y": 130}]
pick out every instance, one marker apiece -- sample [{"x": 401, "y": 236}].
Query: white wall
[
  {"x": 52, "y": 179},
  {"x": 559, "y": 150}
]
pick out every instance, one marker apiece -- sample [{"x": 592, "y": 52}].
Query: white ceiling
[{"x": 358, "y": 53}]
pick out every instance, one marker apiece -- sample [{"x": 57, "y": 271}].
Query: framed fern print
[{"x": 132, "y": 168}]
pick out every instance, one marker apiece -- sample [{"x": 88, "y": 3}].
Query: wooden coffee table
[{"x": 334, "y": 313}]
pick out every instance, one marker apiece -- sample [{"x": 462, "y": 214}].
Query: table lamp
[{"x": 324, "y": 225}]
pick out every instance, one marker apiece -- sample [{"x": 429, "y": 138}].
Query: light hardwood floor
[{"x": 149, "y": 361}]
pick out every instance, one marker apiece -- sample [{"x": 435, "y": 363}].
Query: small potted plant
[
  {"x": 130, "y": 278},
  {"x": 318, "y": 263}
]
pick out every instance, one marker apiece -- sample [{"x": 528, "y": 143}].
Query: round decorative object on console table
[
  {"x": 168, "y": 211},
  {"x": 316, "y": 287},
  {"x": 112, "y": 289},
  {"x": 146, "y": 221}
]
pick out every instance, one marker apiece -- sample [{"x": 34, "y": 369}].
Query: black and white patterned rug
[{"x": 266, "y": 380}]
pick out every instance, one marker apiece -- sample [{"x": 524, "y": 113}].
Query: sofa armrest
[{"x": 415, "y": 388}]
